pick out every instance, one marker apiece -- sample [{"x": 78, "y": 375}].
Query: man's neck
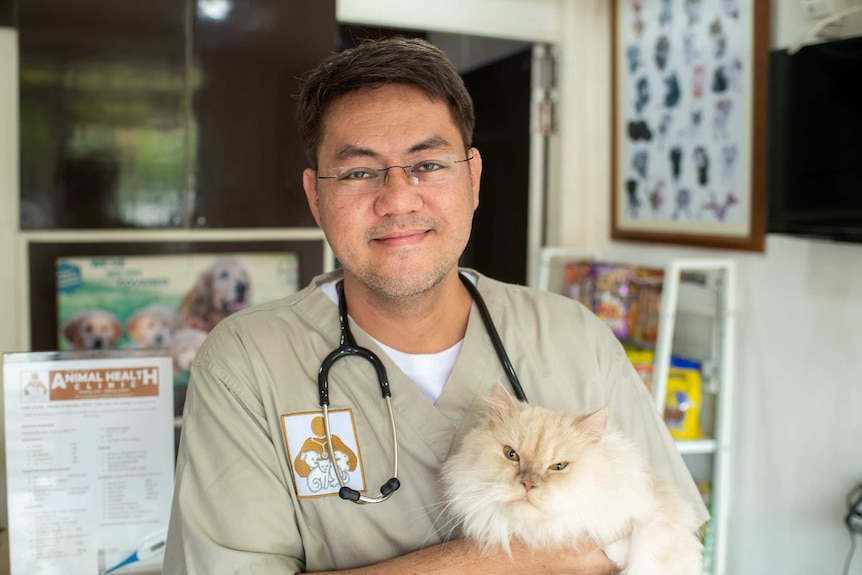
[{"x": 429, "y": 322}]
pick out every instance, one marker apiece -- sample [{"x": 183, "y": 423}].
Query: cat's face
[
  {"x": 527, "y": 463},
  {"x": 538, "y": 455}
]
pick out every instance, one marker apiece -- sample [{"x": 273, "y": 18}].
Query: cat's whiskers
[{"x": 442, "y": 530}]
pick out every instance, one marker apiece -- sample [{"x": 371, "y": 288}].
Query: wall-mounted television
[{"x": 815, "y": 141}]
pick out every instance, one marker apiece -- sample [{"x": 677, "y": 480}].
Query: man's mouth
[{"x": 403, "y": 237}]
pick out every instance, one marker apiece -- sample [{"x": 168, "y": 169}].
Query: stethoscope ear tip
[
  {"x": 385, "y": 491},
  {"x": 390, "y": 486},
  {"x": 348, "y": 494}
]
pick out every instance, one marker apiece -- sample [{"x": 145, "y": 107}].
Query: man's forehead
[
  {"x": 385, "y": 121},
  {"x": 434, "y": 143}
]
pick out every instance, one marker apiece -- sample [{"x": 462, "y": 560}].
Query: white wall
[
  {"x": 798, "y": 400},
  {"x": 528, "y": 20},
  {"x": 8, "y": 219},
  {"x": 8, "y": 185}
]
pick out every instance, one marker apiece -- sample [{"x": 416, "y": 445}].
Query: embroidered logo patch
[{"x": 315, "y": 470}]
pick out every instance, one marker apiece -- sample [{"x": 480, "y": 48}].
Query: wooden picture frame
[
  {"x": 689, "y": 122},
  {"x": 43, "y": 255}
]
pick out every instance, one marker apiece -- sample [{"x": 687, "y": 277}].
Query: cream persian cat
[{"x": 550, "y": 479}]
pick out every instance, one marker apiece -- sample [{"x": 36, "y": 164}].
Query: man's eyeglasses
[{"x": 351, "y": 180}]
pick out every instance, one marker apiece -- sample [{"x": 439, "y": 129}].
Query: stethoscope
[{"x": 348, "y": 347}]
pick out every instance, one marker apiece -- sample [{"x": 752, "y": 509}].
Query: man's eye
[
  {"x": 428, "y": 166},
  {"x": 358, "y": 174}
]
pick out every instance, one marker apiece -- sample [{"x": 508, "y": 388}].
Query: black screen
[{"x": 815, "y": 141}]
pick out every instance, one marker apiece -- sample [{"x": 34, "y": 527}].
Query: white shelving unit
[{"x": 697, "y": 321}]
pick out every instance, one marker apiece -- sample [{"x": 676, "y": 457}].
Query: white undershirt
[{"x": 428, "y": 371}]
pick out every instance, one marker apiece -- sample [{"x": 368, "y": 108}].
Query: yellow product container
[{"x": 683, "y": 401}]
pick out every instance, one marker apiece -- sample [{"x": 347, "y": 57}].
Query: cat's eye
[
  {"x": 510, "y": 453},
  {"x": 559, "y": 466}
]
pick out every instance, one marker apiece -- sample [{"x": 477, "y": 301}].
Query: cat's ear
[
  {"x": 500, "y": 403},
  {"x": 595, "y": 424}
]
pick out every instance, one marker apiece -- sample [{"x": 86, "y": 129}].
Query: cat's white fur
[{"x": 605, "y": 491}]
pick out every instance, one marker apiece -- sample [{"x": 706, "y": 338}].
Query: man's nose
[{"x": 397, "y": 196}]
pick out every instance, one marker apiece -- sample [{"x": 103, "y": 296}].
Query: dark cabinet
[
  {"x": 164, "y": 114},
  {"x": 6, "y": 13},
  {"x": 249, "y": 162}
]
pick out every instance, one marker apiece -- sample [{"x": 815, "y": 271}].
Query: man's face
[{"x": 402, "y": 239}]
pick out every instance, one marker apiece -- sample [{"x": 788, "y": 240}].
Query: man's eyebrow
[
  {"x": 349, "y": 152},
  {"x": 432, "y": 143}
]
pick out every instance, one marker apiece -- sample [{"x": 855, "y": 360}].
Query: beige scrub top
[{"x": 237, "y": 508}]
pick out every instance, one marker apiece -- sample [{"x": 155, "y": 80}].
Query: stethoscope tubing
[
  {"x": 347, "y": 347},
  {"x": 495, "y": 338}
]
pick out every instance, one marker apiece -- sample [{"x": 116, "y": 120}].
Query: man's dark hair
[{"x": 394, "y": 60}]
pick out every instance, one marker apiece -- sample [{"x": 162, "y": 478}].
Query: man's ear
[
  {"x": 309, "y": 184},
  {"x": 475, "y": 175}
]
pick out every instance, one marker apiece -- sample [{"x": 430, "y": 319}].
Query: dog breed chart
[{"x": 90, "y": 458}]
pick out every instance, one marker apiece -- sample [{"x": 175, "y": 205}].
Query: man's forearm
[{"x": 462, "y": 557}]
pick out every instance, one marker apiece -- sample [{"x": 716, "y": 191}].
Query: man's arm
[{"x": 461, "y": 557}]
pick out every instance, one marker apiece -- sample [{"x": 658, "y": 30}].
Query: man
[{"x": 393, "y": 183}]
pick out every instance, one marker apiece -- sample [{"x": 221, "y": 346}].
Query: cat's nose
[{"x": 528, "y": 485}]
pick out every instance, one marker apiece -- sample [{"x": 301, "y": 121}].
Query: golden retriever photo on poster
[{"x": 165, "y": 302}]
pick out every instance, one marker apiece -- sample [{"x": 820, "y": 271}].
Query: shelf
[
  {"x": 697, "y": 320},
  {"x": 696, "y": 446}
]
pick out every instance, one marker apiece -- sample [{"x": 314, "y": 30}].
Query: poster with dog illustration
[{"x": 165, "y": 302}]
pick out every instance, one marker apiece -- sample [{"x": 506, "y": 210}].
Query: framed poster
[
  {"x": 47, "y": 286},
  {"x": 689, "y": 93}
]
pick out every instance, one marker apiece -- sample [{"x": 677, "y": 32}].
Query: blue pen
[{"x": 151, "y": 545}]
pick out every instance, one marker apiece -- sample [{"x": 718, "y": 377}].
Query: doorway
[{"x": 501, "y": 94}]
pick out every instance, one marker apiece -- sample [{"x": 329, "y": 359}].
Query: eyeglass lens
[{"x": 367, "y": 179}]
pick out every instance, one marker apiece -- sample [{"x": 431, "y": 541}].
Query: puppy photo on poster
[{"x": 165, "y": 302}]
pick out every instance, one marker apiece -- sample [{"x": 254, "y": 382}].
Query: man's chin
[{"x": 403, "y": 282}]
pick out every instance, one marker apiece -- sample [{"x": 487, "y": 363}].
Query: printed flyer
[{"x": 90, "y": 461}]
